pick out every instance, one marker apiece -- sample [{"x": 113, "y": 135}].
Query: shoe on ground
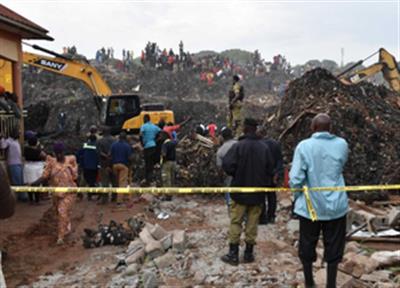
[{"x": 232, "y": 257}]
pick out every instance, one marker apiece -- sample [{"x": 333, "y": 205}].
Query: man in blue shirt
[
  {"x": 318, "y": 162},
  {"x": 121, "y": 154},
  {"x": 149, "y": 133},
  {"x": 89, "y": 161}
]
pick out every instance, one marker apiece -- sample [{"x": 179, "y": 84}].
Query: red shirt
[
  {"x": 211, "y": 129},
  {"x": 170, "y": 129}
]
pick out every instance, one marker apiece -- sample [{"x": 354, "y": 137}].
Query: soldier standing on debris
[
  {"x": 268, "y": 216},
  {"x": 318, "y": 162},
  {"x": 149, "y": 132},
  {"x": 236, "y": 96},
  {"x": 250, "y": 163}
]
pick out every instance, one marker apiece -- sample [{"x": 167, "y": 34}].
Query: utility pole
[{"x": 341, "y": 57}]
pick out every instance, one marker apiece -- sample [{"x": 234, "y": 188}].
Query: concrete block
[
  {"x": 146, "y": 236},
  {"x": 166, "y": 242},
  {"x": 352, "y": 246},
  {"x": 386, "y": 258},
  {"x": 149, "y": 280},
  {"x": 154, "y": 249},
  {"x": 132, "y": 269},
  {"x": 136, "y": 257},
  {"x": 165, "y": 260},
  {"x": 134, "y": 246},
  {"x": 394, "y": 217},
  {"x": 377, "y": 276},
  {"x": 158, "y": 232},
  {"x": 179, "y": 240}
]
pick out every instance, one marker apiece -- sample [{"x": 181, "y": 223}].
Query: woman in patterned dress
[{"x": 61, "y": 171}]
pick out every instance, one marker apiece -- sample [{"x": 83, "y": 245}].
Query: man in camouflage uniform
[{"x": 236, "y": 96}]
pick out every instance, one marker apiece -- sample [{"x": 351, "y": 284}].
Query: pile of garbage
[
  {"x": 183, "y": 92},
  {"x": 364, "y": 114},
  {"x": 112, "y": 234},
  {"x": 197, "y": 162}
]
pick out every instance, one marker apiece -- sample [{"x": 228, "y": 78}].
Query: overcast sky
[{"x": 300, "y": 30}]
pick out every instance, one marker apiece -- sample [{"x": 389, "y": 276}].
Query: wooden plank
[{"x": 376, "y": 239}]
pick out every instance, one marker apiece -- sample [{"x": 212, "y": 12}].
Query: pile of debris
[
  {"x": 361, "y": 268},
  {"x": 153, "y": 242},
  {"x": 112, "y": 234},
  {"x": 155, "y": 248},
  {"x": 197, "y": 162},
  {"x": 364, "y": 114}
]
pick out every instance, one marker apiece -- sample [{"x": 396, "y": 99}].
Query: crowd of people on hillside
[
  {"x": 152, "y": 56},
  {"x": 210, "y": 67},
  {"x": 104, "y": 54}
]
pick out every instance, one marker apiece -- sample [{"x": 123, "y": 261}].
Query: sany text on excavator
[
  {"x": 117, "y": 111},
  {"x": 387, "y": 65}
]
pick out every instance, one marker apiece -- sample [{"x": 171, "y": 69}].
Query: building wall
[{"x": 11, "y": 50}]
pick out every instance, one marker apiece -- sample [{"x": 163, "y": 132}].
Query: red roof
[{"x": 23, "y": 23}]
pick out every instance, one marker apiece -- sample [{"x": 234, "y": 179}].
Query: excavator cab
[
  {"x": 124, "y": 112},
  {"x": 117, "y": 109}
]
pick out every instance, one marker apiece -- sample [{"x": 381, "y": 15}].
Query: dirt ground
[
  {"x": 34, "y": 260},
  {"x": 31, "y": 253}
]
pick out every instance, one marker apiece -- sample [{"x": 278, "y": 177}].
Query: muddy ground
[{"x": 33, "y": 259}]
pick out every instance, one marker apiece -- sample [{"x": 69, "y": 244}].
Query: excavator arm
[
  {"x": 71, "y": 68},
  {"x": 387, "y": 65},
  {"x": 121, "y": 111}
]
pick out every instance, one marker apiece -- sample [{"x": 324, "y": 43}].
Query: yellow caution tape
[
  {"x": 204, "y": 190},
  {"x": 310, "y": 208},
  {"x": 197, "y": 190}
]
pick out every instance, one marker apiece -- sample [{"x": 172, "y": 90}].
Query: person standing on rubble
[
  {"x": 61, "y": 171},
  {"x": 106, "y": 175},
  {"x": 236, "y": 97},
  {"x": 149, "y": 132},
  {"x": 268, "y": 215},
  {"x": 227, "y": 143},
  {"x": 318, "y": 162},
  {"x": 250, "y": 163},
  {"x": 172, "y": 129},
  {"x": 121, "y": 155}
]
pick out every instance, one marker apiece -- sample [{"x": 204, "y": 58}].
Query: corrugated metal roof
[
  {"x": 6, "y": 12},
  {"x": 9, "y": 17}
]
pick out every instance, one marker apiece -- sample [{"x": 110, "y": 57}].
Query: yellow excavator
[
  {"x": 117, "y": 111},
  {"x": 387, "y": 65}
]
